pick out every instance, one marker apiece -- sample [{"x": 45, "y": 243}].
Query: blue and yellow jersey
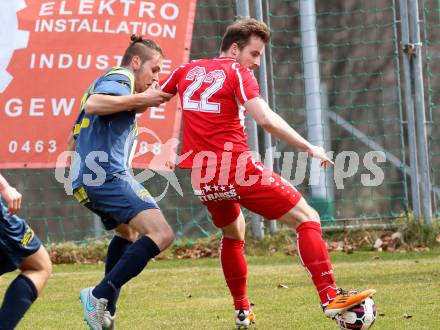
[{"x": 105, "y": 142}]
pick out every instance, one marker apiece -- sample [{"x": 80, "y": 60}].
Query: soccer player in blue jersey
[
  {"x": 19, "y": 248},
  {"x": 104, "y": 134}
]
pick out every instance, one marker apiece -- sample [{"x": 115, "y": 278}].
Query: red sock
[
  {"x": 314, "y": 256},
  {"x": 235, "y": 270}
]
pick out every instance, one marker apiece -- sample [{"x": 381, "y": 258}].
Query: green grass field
[{"x": 191, "y": 294}]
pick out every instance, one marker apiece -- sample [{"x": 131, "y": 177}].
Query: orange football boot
[
  {"x": 344, "y": 300},
  {"x": 244, "y": 318}
]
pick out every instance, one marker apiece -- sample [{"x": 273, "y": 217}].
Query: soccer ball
[{"x": 359, "y": 317}]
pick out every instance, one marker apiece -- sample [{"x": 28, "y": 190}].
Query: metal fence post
[
  {"x": 409, "y": 107},
  {"x": 268, "y": 156},
  {"x": 315, "y": 127},
  {"x": 252, "y": 131},
  {"x": 97, "y": 227},
  {"x": 422, "y": 141},
  {"x": 242, "y": 7},
  {"x": 270, "y": 71}
]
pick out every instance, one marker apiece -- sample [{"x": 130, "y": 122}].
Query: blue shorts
[
  {"x": 17, "y": 241},
  {"x": 117, "y": 200}
]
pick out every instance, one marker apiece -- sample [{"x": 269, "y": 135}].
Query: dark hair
[
  {"x": 242, "y": 30},
  {"x": 143, "y": 48}
]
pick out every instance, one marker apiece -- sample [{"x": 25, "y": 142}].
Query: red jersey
[{"x": 212, "y": 94}]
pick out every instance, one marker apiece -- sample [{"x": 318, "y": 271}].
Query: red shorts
[{"x": 251, "y": 185}]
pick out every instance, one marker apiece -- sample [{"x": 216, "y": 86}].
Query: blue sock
[
  {"x": 19, "y": 296},
  {"x": 131, "y": 263},
  {"x": 116, "y": 249}
]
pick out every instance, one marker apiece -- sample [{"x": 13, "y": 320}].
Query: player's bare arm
[
  {"x": 278, "y": 127},
  {"x": 101, "y": 105},
  {"x": 11, "y": 196}
]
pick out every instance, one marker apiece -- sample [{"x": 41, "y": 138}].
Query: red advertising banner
[{"x": 51, "y": 51}]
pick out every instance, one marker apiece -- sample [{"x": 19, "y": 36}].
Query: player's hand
[
  {"x": 319, "y": 152},
  {"x": 13, "y": 198},
  {"x": 154, "y": 96}
]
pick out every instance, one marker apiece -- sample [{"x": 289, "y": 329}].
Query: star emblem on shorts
[
  {"x": 207, "y": 188},
  {"x": 231, "y": 186},
  {"x": 215, "y": 187},
  {"x": 222, "y": 188}
]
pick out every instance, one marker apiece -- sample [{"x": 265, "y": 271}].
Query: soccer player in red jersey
[{"x": 215, "y": 94}]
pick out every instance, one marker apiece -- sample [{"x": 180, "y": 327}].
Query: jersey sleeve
[
  {"x": 114, "y": 84},
  {"x": 170, "y": 83},
  {"x": 246, "y": 85}
]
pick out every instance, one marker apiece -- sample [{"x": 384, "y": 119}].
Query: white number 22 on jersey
[{"x": 198, "y": 75}]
